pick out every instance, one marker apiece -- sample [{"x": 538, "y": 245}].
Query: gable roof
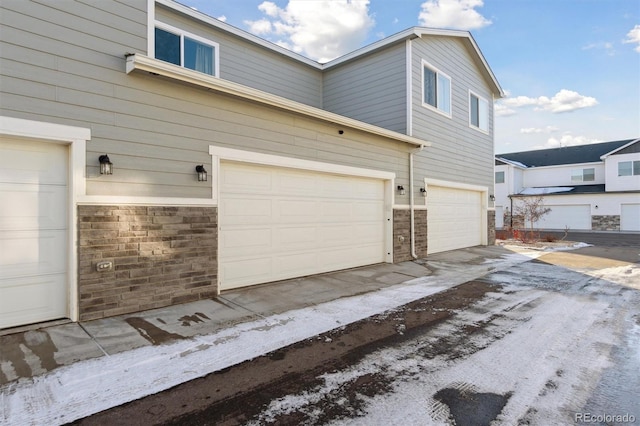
[
  {"x": 565, "y": 155},
  {"x": 408, "y": 34}
]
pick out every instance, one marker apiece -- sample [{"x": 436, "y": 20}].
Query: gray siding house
[{"x": 110, "y": 112}]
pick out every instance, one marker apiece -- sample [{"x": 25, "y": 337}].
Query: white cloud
[
  {"x": 503, "y": 110},
  {"x": 602, "y": 45},
  {"x": 563, "y": 101},
  {"x": 222, "y": 18},
  {"x": 633, "y": 37},
  {"x": 547, "y": 129},
  {"x": 259, "y": 27},
  {"x": 454, "y": 14},
  {"x": 321, "y": 30},
  {"x": 567, "y": 140}
]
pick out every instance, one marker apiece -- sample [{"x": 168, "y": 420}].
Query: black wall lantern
[
  {"x": 423, "y": 191},
  {"x": 106, "y": 166},
  {"x": 401, "y": 190},
  {"x": 202, "y": 173}
]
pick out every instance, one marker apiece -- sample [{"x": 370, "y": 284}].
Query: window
[
  {"x": 478, "y": 112},
  {"x": 629, "y": 168},
  {"x": 436, "y": 89},
  {"x": 583, "y": 175},
  {"x": 186, "y": 50},
  {"x": 499, "y": 177}
]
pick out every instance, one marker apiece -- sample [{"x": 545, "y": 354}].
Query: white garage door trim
[
  {"x": 227, "y": 154},
  {"x": 483, "y": 194},
  {"x": 76, "y": 138}
]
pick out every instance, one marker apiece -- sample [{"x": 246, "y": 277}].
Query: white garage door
[
  {"x": 33, "y": 232},
  {"x": 278, "y": 223},
  {"x": 630, "y": 217},
  {"x": 560, "y": 217},
  {"x": 454, "y": 218}
]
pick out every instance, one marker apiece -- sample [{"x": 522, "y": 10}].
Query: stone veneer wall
[
  {"x": 605, "y": 223},
  {"x": 161, "y": 256},
  {"x": 491, "y": 225},
  {"x": 402, "y": 234}
]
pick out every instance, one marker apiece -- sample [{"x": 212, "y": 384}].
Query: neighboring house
[
  {"x": 588, "y": 187},
  {"x": 112, "y": 111}
]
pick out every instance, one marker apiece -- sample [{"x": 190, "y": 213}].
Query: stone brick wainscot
[{"x": 160, "y": 256}]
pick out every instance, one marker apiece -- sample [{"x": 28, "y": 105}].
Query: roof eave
[
  {"x": 602, "y": 157},
  {"x": 137, "y": 62}
]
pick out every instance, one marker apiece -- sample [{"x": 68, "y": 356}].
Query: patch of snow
[{"x": 87, "y": 387}]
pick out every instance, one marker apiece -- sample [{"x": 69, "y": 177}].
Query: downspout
[{"x": 412, "y": 226}]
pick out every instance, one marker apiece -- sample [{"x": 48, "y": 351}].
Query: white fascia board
[
  {"x": 618, "y": 149},
  {"x": 512, "y": 163},
  {"x": 566, "y": 166},
  {"x": 137, "y": 62},
  {"x": 416, "y": 32},
  {"x": 200, "y": 16}
]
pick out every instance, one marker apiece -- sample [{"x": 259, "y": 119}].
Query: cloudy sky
[{"x": 570, "y": 68}]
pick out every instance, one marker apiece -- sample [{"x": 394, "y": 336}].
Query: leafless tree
[{"x": 531, "y": 209}]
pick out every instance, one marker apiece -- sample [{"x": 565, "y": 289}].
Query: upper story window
[
  {"x": 478, "y": 112},
  {"x": 499, "y": 177},
  {"x": 186, "y": 50},
  {"x": 436, "y": 90},
  {"x": 583, "y": 175},
  {"x": 629, "y": 168}
]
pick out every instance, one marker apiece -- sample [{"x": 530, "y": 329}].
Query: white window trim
[
  {"x": 582, "y": 174},
  {"x": 480, "y": 99},
  {"x": 438, "y": 72},
  {"x": 76, "y": 138},
  {"x": 632, "y": 168},
  {"x": 182, "y": 33}
]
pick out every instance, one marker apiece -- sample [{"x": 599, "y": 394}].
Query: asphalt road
[{"x": 548, "y": 341}]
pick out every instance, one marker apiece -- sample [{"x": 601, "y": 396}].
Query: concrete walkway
[{"x": 48, "y": 374}]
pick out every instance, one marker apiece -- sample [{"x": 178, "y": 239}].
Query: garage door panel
[
  {"x": 454, "y": 218},
  {"x": 296, "y": 210},
  {"x": 368, "y": 210},
  {"x": 243, "y": 179},
  {"x": 335, "y": 210},
  {"x": 297, "y": 236},
  {"x": 32, "y": 299},
  {"x": 33, "y": 162},
  {"x": 566, "y": 216},
  {"x": 295, "y": 183},
  {"x": 246, "y": 211},
  {"x": 32, "y": 252},
  {"x": 246, "y": 271},
  {"x": 32, "y": 206},
  {"x": 630, "y": 217},
  {"x": 319, "y": 222},
  {"x": 246, "y": 238}
]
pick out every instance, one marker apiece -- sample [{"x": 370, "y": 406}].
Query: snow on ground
[
  {"x": 87, "y": 387},
  {"x": 545, "y": 348},
  {"x": 578, "y": 326}
]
